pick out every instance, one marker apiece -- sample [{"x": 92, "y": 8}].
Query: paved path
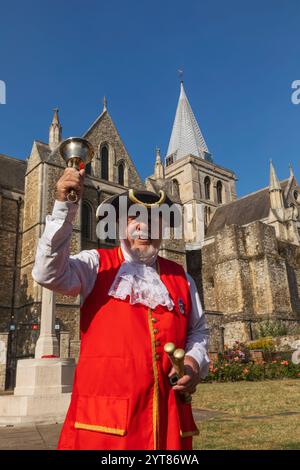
[
  {"x": 45, "y": 436},
  {"x": 29, "y": 437}
]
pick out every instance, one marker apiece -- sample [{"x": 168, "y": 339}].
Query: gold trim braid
[
  {"x": 134, "y": 199},
  {"x": 156, "y": 389},
  {"x": 92, "y": 427},
  {"x": 189, "y": 433}
]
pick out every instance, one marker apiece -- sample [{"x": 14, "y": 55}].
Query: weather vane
[{"x": 180, "y": 73}]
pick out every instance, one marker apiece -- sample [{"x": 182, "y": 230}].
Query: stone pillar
[
  {"x": 47, "y": 344},
  {"x": 64, "y": 344},
  {"x": 3, "y": 359}
]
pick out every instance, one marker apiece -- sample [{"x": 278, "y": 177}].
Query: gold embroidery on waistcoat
[
  {"x": 156, "y": 389},
  {"x": 92, "y": 427}
]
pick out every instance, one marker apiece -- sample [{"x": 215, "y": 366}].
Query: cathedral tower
[{"x": 199, "y": 183}]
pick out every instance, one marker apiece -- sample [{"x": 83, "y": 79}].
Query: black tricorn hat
[{"x": 148, "y": 199}]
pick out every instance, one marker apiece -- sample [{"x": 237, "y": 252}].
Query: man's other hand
[{"x": 190, "y": 379}]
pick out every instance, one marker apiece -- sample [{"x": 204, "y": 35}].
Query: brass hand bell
[{"x": 75, "y": 151}]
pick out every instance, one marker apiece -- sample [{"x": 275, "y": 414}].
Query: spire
[
  {"x": 158, "y": 168},
  {"x": 276, "y": 199},
  {"x": 274, "y": 182},
  {"x": 55, "y": 131},
  {"x": 186, "y": 137},
  {"x": 291, "y": 171},
  {"x": 104, "y": 104}
]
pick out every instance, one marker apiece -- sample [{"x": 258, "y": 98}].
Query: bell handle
[{"x": 74, "y": 162}]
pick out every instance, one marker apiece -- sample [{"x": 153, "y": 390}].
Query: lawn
[{"x": 248, "y": 415}]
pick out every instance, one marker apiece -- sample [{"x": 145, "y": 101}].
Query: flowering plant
[
  {"x": 237, "y": 370},
  {"x": 239, "y": 352}
]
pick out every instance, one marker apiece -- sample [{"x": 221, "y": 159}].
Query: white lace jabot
[{"x": 141, "y": 283}]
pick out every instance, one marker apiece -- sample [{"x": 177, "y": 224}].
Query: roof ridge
[
  {"x": 12, "y": 158},
  {"x": 251, "y": 194},
  {"x": 95, "y": 122}
]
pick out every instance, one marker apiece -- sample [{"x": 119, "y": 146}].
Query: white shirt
[{"x": 56, "y": 270}]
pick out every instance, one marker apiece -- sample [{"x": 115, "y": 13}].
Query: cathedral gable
[{"x": 112, "y": 161}]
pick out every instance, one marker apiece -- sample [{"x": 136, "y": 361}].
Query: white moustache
[{"x": 140, "y": 234}]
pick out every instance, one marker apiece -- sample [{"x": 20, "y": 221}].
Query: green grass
[{"x": 237, "y": 401}]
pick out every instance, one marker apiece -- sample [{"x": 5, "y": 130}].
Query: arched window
[
  {"x": 88, "y": 168},
  {"x": 86, "y": 221},
  {"x": 219, "y": 192},
  {"x": 175, "y": 188},
  {"x": 207, "y": 213},
  {"x": 121, "y": 173},
  {"x": 207, "y": 187},
  {"x": 104, "y": 163}
]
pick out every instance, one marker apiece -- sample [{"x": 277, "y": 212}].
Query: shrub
[
  {"x": 271, "y": 328},
  {"x": 266, "y": 344}
]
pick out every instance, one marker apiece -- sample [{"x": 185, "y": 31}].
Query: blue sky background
[{"x": 239, "y": 59}]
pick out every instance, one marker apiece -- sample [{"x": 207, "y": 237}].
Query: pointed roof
[
  {"x": 55, "y": 119},
  {"x": 186, "y": 137},
  {"x": 274, "y": 182}
]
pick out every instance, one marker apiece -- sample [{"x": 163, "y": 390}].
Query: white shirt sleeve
[
  {"x": 198, "y": 333},
  {"x": 54, "y": 268}
]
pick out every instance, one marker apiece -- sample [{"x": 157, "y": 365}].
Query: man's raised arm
[{"x": 54, "y": 268}]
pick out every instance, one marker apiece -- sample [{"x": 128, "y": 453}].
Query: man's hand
[
  {"x": 71, "y": 179},
  {"x": 190, "y": 380}
]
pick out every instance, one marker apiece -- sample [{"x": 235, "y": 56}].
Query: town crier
[{"x": 133, "y": 302}]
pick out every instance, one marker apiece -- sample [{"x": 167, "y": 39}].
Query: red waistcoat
[{"x": 121, "y": 395}]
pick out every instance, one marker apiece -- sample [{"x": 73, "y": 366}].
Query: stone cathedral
[{"x": 244, "y": 253}]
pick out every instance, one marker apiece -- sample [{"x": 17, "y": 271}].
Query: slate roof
[
  {"x": 254, "y": 206},
  {"x": 12, "y": 173}
]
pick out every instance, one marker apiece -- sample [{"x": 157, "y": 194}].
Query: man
[{"x": 132, "y": 303}]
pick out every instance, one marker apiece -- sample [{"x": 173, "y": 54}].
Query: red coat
[{"x": 121, "y": 395}]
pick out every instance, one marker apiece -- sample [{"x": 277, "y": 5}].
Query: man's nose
[{"x": 142, "y": 226}]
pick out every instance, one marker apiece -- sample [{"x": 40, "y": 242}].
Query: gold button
[
  {"x": 155, "y": 331},
  {"x": 157, "y": 342},
  {"x": 154, "y": 320},
  {"x": 157, "y": 356}
]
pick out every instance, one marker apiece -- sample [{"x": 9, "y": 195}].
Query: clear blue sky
[{"x": 239, "y": 58}]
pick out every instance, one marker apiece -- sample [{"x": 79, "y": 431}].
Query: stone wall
[
  {"x": 247, "y": 271},
  {"x": 11, "y": 215},
  {"x": 3, "y": 358}
]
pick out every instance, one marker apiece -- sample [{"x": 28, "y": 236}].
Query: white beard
[{"x": 147, "y": 255}]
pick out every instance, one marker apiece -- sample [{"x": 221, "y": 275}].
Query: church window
[
  {"x": 296, "y": 196},
  {"x": 207, "y": 187},
  {"x": 219, "y": 192},
  {"x": 207, "y": 214},
  {"x": 88, "y": 168},
  {"x": 169, "y": 160},
  {"x": 104, "y": 163},
  {"x": 121, "y": 173},
  {"x": 86, "y": 221},
  {"x": 175, "y": 188}
]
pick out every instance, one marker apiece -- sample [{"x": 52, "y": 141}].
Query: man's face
[{"x": 139, "y": 236}]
